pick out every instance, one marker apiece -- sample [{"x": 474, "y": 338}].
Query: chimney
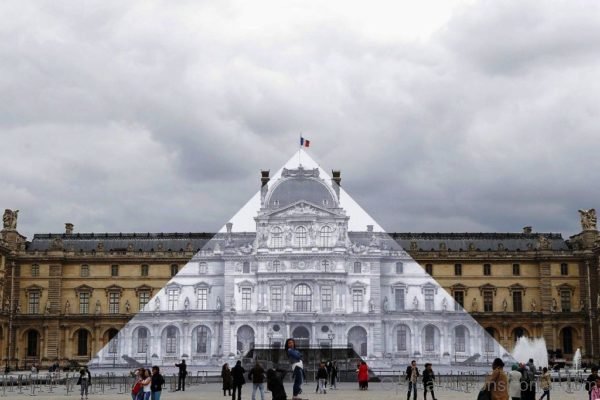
[
  {"x": 336, "y": 181},
  {"x": 229, "y": 225},
  {"x": 369, "y": 228},
  {"x": 264, "y": 180},
  {"x": 527, "y": 229},
  {"x": 68, "y": 228}
]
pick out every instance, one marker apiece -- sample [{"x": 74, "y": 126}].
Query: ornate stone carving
[
  {"x": 9, "y": 219},
  {"x": 219, "y": 305},
  {"x": 371, "y": 305},
  {"x": 67, "y": 308},
  {"x": 588, "y": 219},
  {"x": 127, "y": 306},
  {"x": 504, "y": 305},
  {"x": 414, "y": 246},
  {"x": 385, "y": 305},
  {"x": 543, "y": 242},
  {"x": 445, "y": 304},
  {"x": 98, "y": 307},
  {"x": 416, "y": 303},
  {"x": 533, "y": 305},
  {"x": 474, "y": 306}
]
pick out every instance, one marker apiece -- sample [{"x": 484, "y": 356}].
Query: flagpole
[{"x": 299, "y": 148}]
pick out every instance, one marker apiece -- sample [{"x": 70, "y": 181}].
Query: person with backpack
[
  {"x": 275, "y": 385},
  {"x": 428, "y": 381},
  {"x": 156, "y": 383}
]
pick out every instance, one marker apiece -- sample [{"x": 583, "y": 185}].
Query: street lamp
[{"x": 331, "y": 336}]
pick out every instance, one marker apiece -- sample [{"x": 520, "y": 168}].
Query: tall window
[
  {"x": 114, "y": 270},
  {"x": 84, "y": 271},
  {"x": 399, "y": 299},
  {"x": 357, "y": 300},
  {"x": 172, "y": 299},
  {"x": 325, "y": 265},
  {"x": 113, "y": 341},
  {"x": 82, "y": 342},
  {"x": 357, "y": 267},
  {"x": 84, "y": 303},
  {"x": 300, "y": 236},
  {"x": 429, "y": 269},
  {"x": 567, "y": 340},
  {"x": 302, "y": 298},
  {"x": 174, "y": 269},
  {"x": 399, "y": 268},
  {"x": 325, "y": 236},
  {"x": 34, "y": 302},
  {"x": 429, "y": 305},
  {"x": 487, "y": 269},
  {"x": 144, "y": 270},
  {"x": 202, "y": 339},
  {"x": 246, "y": 299},
  {"x": 144, "y": 298},
  {"x": 517, "y": 301},
  {"x": 516, "y": 269},
  {"x": 202, "y": 294},
  {"x": 326, "y": 298},
  {"x": 276, "y": 265},
  {"x": 401, "y": 338},
  {"x": 203, "y": 268},
  {"x": 276, "y": 299},
  {"x": 565, "y": 300},
  {"x": 458, "y": 269},
  {"x": 113, "y": 302},
  {"x": 32, "y": 343},
  {"x": 429, "y": 338},
  {"x": 459, "y": 300},
  {"x": 488, "y": 300},
  {"x": 277, "y": 237},
  {"x": 564, "y": 269},
  {"x": 142, "y": 340},
  {"x": 460, "y": 342},
  {"x": 35, "y": 270},
  {"x": 489, "y": 340},
  {"x": 246, "y": 267},
  {"x": 171, "y": 343}
]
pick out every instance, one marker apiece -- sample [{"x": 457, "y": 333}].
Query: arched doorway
[
  {"x": 111, "y": 337},
  {"x": 567, "y": 340},
  {"x": 83, "y": 342},
  {"x": 245, "y": 339},
  {"x": 301, "y": 337},
  {"x": 357, "y": 338},
  {"x": 519, "y": 332},
  {"x": 33, "y": 344}
]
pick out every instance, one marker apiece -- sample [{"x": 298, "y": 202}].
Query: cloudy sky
[{"x": 158, "y": 116}]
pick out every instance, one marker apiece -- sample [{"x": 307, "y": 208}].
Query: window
[
  {"x": 459, "y": 300},
  {"x": 144, "y": 270},
  {"x": 517, "y": 301},
  {"x": 429, "y": 269},
  {"x": 300, "y": 236},
  {"x": 516, "y": 269},
  {"x": 564, "y": 269},
  {"x": 202, "y": 294},
  {"x": 276, "y": 299},
  {"x": 429, "y": 338},
  {"x": 488, "y": 300},
  {"x": 174, "y": 269},
  {"x": 144, "y": 298},
  {"x": 326, "y": 298},
  {"x": 32, "y": 343},
  {"x": 276, "y": 265},
  {"x": 171, "y": 343},
  {"x": 325, "y": 236},
  {"x": 487, "y": 269},
  {"x": 113, "y": 302},
  {"x": 460, "y": 342},
  {"x": 84, "y": 271},
  {"x": 84, "y": 303},
  {"x": 203, "y": 268},
  {"x": 302, "y": 298},
  {"x": 246, "y": 267},
  {"x": 565, "y": 300},
  {"x": 567, "y": 335},
  {"x": 172, "y": 299},
  {"x": 429, "y": 304},
  {"x": 325, "y": 265},
  {"x": 399, "y": 268},
  {"x": 399, "y": 299},
  {"x": 34, "y": 303},
  {"x": 113, "y": 341},
  {"x": 202, "y": 340},
  {"x": 246, "y": 299},
  {"x": 82, "y": 342},
  {"x": 489, "y": 340},
  {"x": 35, "y": 270},
  {"x": 142, "y": 340},
  {"x": 114, "y": 270},
  {"x": 277, "y": 238},
  {"x": 401, "y": 338},
  {"x": 458, "y": 269},
  {"x": 357, "y": 300},
  {"x": 357, "y": 267}
]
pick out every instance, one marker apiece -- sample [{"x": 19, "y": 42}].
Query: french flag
[{"x": 304, "y": 142}]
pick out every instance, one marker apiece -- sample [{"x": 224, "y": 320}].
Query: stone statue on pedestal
[
  {"x": 588, "y": 219},
  {"x": 9, "y": 219}
]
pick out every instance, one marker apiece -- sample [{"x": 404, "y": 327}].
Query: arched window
[
  {"x": 276, "y": 237},
  {"x": 326, "y": 237},
  {"x": 300, "y": 236},
  {"x": 142, "y": 340},
  {"x": 460, "y": 339},
  {"x": 302, "y": 298},
  {"x": 171, "y": 340},
  {"x": 202, "y": 336}
]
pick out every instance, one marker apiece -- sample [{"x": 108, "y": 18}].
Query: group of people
[
  {"x": 233, "y": 380},
  {"x": 519, "y": 384},
  {"x": 327, "y": 373},
  {"x": 147, "y": 384},
  {"x": 412, "y": 375}
]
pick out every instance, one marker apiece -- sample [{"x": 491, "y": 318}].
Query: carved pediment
[
  {"x": 113, "y": 288},
  {"x": 202, "y": 285},
  {"x": 245, "y": 283},
  {"x": 429, "y": 285},
  {"x": 143, "y": 288},
  {"x": 357, "y": 285},
  {"x": 516, "y": 288},
  {"x": 33, "y": 288},
  {"x": 459, "y": 287},
  {"x": 486, "y": 287},
  {"x": 565, "y": 286},
  {"x": 301, "y": 208},
  {"x": 84, "y": 289}
]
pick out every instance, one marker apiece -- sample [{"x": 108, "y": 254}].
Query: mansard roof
[{"x": 300, "y": 184}]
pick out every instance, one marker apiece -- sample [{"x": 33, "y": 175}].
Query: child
[
  {"x": 322, "y": 377},
  {"x": 545, "y": 383},
  {"x": 275, "y": 386}
]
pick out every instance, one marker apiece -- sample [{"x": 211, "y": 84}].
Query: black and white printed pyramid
[{"x": 301, "y": 259}]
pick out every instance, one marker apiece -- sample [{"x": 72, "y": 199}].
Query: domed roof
[{"x": 294, "y": 189}]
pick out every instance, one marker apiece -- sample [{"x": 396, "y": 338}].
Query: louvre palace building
[{"x": 155, "y": 298}]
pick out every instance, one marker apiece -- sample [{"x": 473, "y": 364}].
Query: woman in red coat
[{"x": 363, "y": 376}]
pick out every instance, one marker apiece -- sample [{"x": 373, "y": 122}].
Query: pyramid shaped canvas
[{"x": 301, "y": 259}]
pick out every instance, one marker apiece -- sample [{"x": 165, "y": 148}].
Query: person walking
[
  {"x": 333, "y": 375},
  {"x": 257, "y": 376},
  {"x": 590, "y": 382},
  {"x": 533, "y": 373},
  {"x": 497, "y": 381},
  {"x": 412, "y": 373},
  {"x": 146, "y": 391},
  {"x": 157, "y": 382},
  {"x": 85, "y": 380},
  {"x": 363, "y": 376},
  {"x": 275, "y": 385},
  {"x": 181, "y": 375},
  {"x": 226, "y": 376},
  {"x": 514, "y": 383},
  {"x": 322, "y": 378},
  {"x": 295, "y": 358},
  {"x": 237, "y": 375},
  {"x": 545, "y": 383},
  {"x": 428, "y": 381}
]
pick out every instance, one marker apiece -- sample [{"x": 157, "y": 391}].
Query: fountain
[
  {"x": 535, "y": 348},
  {"x": 577, "y": 360}
]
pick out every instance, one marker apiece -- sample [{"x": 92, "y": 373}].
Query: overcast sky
[{"x": 158, "y": 116}]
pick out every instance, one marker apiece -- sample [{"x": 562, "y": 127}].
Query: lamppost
[
  {"x": 270, "y": 336},
  {"x": 331, "y": 336}
]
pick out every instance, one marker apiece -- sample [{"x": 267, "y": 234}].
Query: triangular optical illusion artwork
[{"x": 301, "y": 260}]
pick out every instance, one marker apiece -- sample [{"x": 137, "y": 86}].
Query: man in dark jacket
[
  {"x": 428, "y": 381},
  {"x": 412, "y": 373},
  {"x": 181, "y": 375},
  {"x": 257, "y": 376},
  {"x": 157, "y": 383},
  {"x": 237, "y": 375}
]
